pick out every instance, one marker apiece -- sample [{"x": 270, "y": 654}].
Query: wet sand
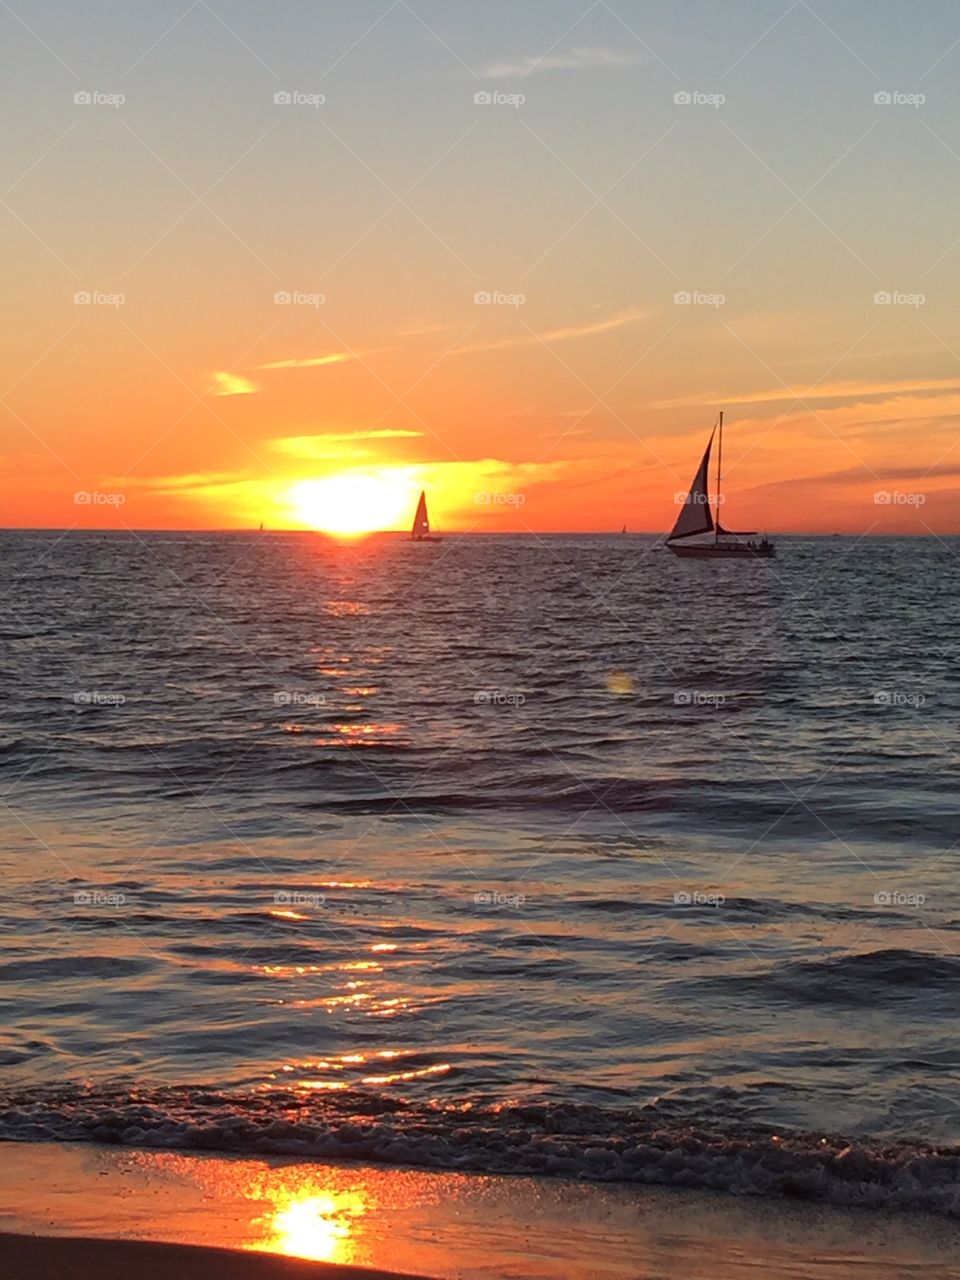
[
  {"x": 81, "y": 1259},
  {"x": 442, "y": 1226}
]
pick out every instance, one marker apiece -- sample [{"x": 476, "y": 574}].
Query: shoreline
[
  {"x": 285, "y": 1216},
  {"x": 573, "y": 1143},
  {"x": 106, "y": 1259}
]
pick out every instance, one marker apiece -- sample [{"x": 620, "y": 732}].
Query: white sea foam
[{"x": 578, "y": 1142}]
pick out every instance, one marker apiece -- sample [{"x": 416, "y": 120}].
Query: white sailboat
[
  {"x": 421, "y": 523},
  {"x": 697, "y": 518}
]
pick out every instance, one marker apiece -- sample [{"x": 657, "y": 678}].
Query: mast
[{"x": 716, "y": 536}]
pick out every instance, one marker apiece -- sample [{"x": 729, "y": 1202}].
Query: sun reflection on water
[{"x": 359, "y": 1068}]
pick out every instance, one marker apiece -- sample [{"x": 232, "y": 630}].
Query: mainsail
[
  {"x": 695, "y": 515},
  {"x": 421, "y": 522}
]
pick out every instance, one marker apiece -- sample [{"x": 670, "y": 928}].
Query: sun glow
[
  {"x": 314, "y": 1226},
  {"x": 353, "y": 503}
]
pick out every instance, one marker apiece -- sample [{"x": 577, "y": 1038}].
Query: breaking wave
[{"x": 605, "y": 1144}]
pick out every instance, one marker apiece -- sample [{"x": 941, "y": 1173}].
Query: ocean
[{"x": 529, "y": 854}]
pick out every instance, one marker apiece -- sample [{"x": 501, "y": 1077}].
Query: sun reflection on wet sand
[
  {"x": 309, "y": 1222},
  {"x": 430, "y": 1224},
  {"x": 301, "y": 1212}
]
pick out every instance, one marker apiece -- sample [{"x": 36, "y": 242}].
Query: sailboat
[
  {"x": 697, "y": 518},
  {"x": 421, "y": 523}
]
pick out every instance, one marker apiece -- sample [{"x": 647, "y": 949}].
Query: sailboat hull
[
  {"x": 719, "y": 551},
  {"x": 426, "y": 537}
]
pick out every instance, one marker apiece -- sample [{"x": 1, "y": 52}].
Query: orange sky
[{"x": 217, "y": 303}]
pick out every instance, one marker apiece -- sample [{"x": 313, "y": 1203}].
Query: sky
[{"x": 294, "y": 262}]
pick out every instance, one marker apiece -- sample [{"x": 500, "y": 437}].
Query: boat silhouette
[
  {"x": 421, "y": 523},
  {"x": 696, "y": 518}
]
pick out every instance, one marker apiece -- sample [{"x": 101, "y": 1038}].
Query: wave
[
  {"x": 892, "y": 966},
  {"x": 569, "y": 1140},
  {"x": 864, "y": 978}
]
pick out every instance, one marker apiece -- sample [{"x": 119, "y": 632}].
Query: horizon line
[{"x": 458, "y": 533}]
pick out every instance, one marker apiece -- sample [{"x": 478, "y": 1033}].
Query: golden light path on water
[{"x": 373, "y": 1064}]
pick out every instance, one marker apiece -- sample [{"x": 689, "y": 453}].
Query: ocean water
[{"x": 537, "y": 854}]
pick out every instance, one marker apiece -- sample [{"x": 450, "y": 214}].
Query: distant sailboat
[
  {"x": 624, "y": 529},
  {"x": 697, "y": 518},
  {"x": 421, "y": 523}
]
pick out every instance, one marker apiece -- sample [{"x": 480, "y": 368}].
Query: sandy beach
[
  {"x": 117, "y": 1260},
  {"x": 79, "y": 1211}
]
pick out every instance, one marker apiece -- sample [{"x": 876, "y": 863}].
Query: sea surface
[{"x": 546, "y": 855}]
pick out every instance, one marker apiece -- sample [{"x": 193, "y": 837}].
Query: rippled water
[{"x": 496, "y": 852}]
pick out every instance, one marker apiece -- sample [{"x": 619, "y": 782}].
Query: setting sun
[{"x": 353, "y": 503}]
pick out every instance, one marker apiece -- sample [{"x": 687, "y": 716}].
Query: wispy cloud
[
  {"x": 567, "y": 60},
  {"x": 312, "y": 362},
  {"x": 191, "y": 482},
  {"x": 567, "y": 432},
  {"x": 420, "y": 330},
  {"x": 861, "y": 483},
  {"x": 233, "y": 384},
  {"x": 317, "y": 447},
  {"x": 850, "y": 390},
  {"x": 942, "y": 470},
  {"x": 569, "y": 334}
]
